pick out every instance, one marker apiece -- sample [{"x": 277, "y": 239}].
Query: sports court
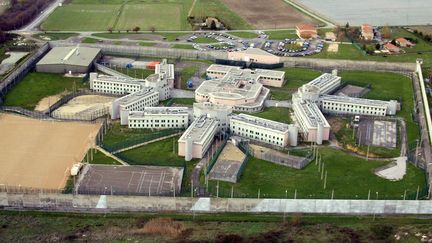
[
  {"x": 130, "y": 180},
  {"x": 352, "y": 91},
  {"x": 39, "y": 153},
  {"x": 377, "y": 133},
  {"x": 227, "y": 166}
]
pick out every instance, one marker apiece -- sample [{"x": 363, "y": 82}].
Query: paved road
[{"x": 44, "y": 14}]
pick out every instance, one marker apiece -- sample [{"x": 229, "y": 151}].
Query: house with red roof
[
  {"x": 402, "y": 42},
  {"x": 367, "y": 32},
  {"x": 391, "y": 48}
]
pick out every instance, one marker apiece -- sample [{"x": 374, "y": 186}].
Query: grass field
[
  {"x": 117, "y": 133},
  {"x": 36, "y": 86},
  {"x": 183, "y": 46},
  {"x": 136, "y": 72},
  {"x": 97, "y": 15},
  {"x": 204, "y": 40},
  {"x": 244, "y": 34},
  {"x": 344, "y": 171},
  {"x": 178, "y": 101},
  {"x": 26, "y": 226},
  {"x": 161, "y": 153},
  {"x": 279, "y": 114},
  {"x": 89, "y": 40},
  {"x": 186, "y": 74},
  {"x": 281, "y": 34},
  {"x": 217, "y": 9},
  {"x": 101, "y": 159},
  {"x": 387, "y": 86},
  {"x": 295, "y": 77}
]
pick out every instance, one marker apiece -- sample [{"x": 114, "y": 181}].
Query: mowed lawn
[
  {"x": 294, "y": 78},
  {"x": 279, "y": 114},
  {"x": 36, "y": 86},
  {"x": 161, "y": 16},
  {"x": 350, "y": 178},
  {"x": 82, "y": 17}
]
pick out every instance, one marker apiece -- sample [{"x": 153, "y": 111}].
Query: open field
[
  {"x": 394, "y": 12},
  {"x": 101, "y": 159},
  {"x": 273, "y": 180},
  {"x": 95, "y": 15},
  {"x": 45, "y": 226},
  {"x": 36, "y": 86},
  {"x": 28, "y": 162},
  {"x": 130, "y": 180},
  {"x": 268, "y": 14}
]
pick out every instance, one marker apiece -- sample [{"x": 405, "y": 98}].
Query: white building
[
  {"x": 197, "y": 139},
  {"x": 327, "y": 82},
  {"x": 218, "y": 112},
  {"x": 160, "y": 84},
  {"x": 355, "y": 106},
  {"x": 133, "y": 102},
  {"x": 166, "y": 71},
  {"x": 266, "y": 77},
  {"x": 115, "y": 85},
  {"x": 160, "y": 118},
  {"x": 263, "y": 130}
]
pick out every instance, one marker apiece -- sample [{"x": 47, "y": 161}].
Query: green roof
[{"x": 77, "y": 56}]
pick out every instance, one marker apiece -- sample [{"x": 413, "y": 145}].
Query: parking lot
[{"x": 294, "y": 47}]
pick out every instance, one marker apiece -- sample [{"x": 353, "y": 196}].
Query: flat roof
[
  {"x": 137, "y": 96},
  {"x": 116, "y": 79},
  {"x": 324, "y": 79},
  {"x": 199, "y": 130},
  {"x": 312, "y": 113},
  {"x": 77, "y": 56},
  {"x": 252, "y": 73},
  {"x": 165, "y": 69},
  {"x": 352, "y": 100},
  {"x": 257, "y": 121},
  {"x": 211, "y": 106}
]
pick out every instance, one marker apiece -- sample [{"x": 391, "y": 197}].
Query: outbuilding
[{"x": 68, "y": 59}]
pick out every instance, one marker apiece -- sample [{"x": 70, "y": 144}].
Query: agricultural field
[
  {"x": 36, "y": 86},
  {"x": 277, "y": 181},
  {"x": 268, "y": 14}
]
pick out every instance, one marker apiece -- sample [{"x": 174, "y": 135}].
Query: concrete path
[
  {"x": 395, "y": 171},
  {"x": 278, "y": 103},
  {"x": 180, "y": 93},
  {"x": 148, "y": 142},
  {"x": 111, "y": 156}
]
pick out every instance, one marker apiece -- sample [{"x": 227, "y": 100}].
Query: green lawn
[
  {"x": 183, "y": 46},
  {"x": 101, "y": 159},
  {"x": 349, "y": 177},
  {"x": 186, "y": 74},
  {"x": 117, "y": 133},
  {"x": 217, "y": 9},
  {"x": 135, "y": 72},
  {"x": 89, "y": 40},
  {"x": 205, "y": 40},
  {"x": 281, "y": 34},
  {"x": 244, "y": 34},
  {"x": 178, "y": 101},
  {"x": 295, "y": 77},
  {"x": 54, "y": 36},
  {"x": 161, "y": 153},
  {"x": 147, "y": 43},
  {"x": 96, "y": 15},
  {"x": 279, "y": 114},
  {"x": 387, "y": 86},
  {"x": 36, "y": 86},
  {"x": 82, "y": 17}
]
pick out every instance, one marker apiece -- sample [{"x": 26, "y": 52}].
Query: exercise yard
[
  {"x": 39, "y": 154},
  {"x": 350, "y": 178},
  {"x": 130, "y": 180}
]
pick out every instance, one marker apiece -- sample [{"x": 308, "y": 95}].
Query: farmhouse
[
  {"x": 402, "y": 42},
  {"x": 254, "y": 55},
  {"x": 68, "y": 59},
  {"x": 391, "y": 48},
  {"x": 367, "y": 32},
  {"x": 306, "y": 31}
]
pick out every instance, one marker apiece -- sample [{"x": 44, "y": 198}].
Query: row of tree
[{"x": 21, "y": 13}]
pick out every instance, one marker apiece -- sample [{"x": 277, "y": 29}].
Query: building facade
[
  {"x": 254, "y": 55},
  {"x": 115, "y": 85},
  {"x": 217, "y": 112},
  {"x": 263, "y": 130},
  {"x": 133, "y": 102},
  {"x": 197, "y": 139},
  {"x": 160, "y": 118}
]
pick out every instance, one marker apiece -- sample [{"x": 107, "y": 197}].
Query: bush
[
  {"x": 382, "y": 231},
  {"x": 163, "y": 226}
]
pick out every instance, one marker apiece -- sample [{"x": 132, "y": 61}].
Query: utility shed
[{"x": 68, "y": 59}]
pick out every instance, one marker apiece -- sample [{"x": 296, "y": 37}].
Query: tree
[
  {"x": 110, "y": 30},
  {"x": 347, "y": 25},
  {"x": 386, "y": 32},
  {"x": 378, "y": 46},
  {"x": 213, "y": 25},
  {"x": 152, "y": 29},
  {"x": 136, "y": 29}
]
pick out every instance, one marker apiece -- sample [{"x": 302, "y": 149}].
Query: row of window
[
  {"x": 156, "y": 121},
  {"x": 149, "y": 125},
  {"x": 267, "y": 140}
]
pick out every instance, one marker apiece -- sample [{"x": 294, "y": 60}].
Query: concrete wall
[{"x": 70, "y": 203}]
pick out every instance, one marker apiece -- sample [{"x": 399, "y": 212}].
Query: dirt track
[
  {"x": 39, "y": 154},
  {"x": 268, "y": 14}
]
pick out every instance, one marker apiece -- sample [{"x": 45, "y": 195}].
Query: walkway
[
  {"x": 145, "y": 143},
  {"x": 278, "y": 103},
  {"x": 108, "y": 154}
]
